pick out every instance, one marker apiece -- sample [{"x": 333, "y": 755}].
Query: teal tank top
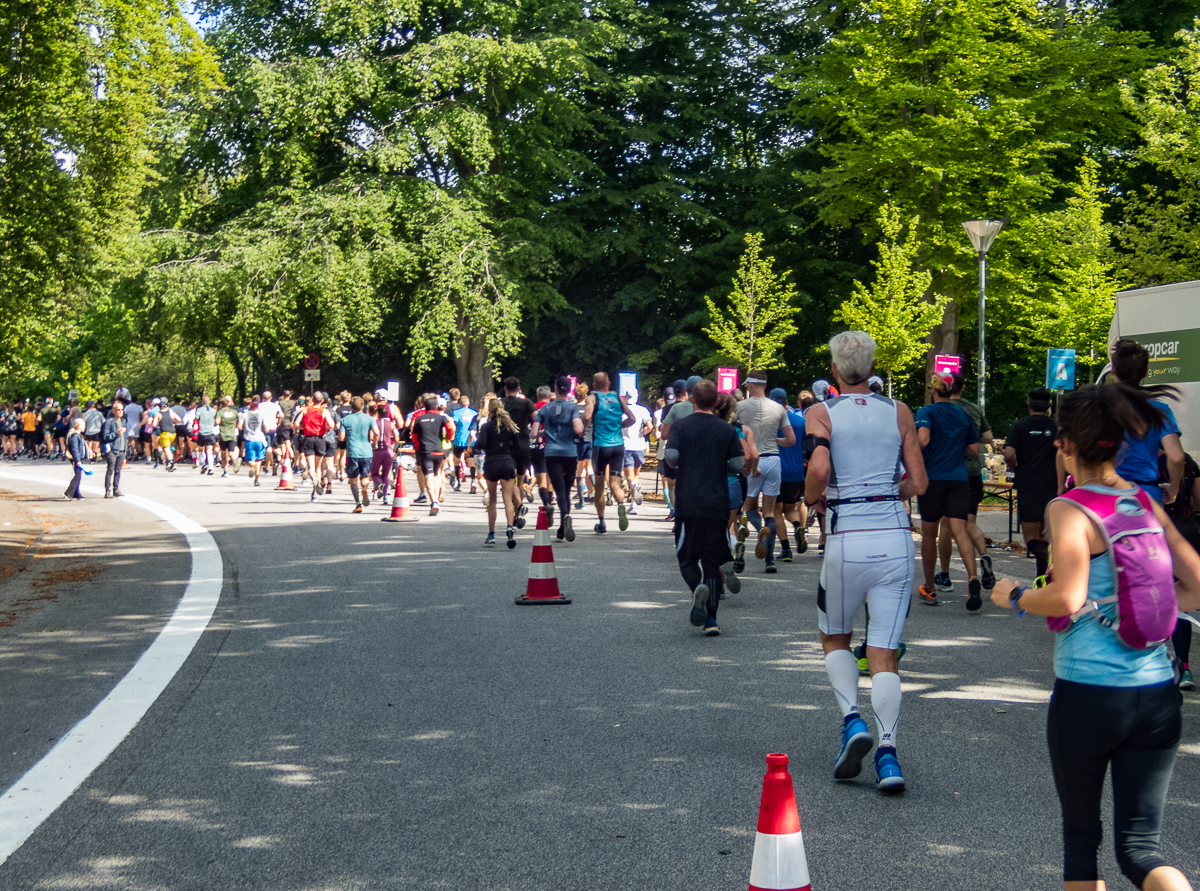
[{"x": 606, "y": 421}]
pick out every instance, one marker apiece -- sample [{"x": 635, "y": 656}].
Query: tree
[
  {"x": 761, "y": 312},
  {"x": 895, "y": 310}
]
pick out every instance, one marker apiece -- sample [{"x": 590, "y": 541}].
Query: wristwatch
[{"x": 1015, "y": 594}]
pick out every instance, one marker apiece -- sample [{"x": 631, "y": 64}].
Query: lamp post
[{"x": 982, "y": 233}]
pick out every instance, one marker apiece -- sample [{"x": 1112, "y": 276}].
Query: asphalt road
[{"x": 368, "y": 709}]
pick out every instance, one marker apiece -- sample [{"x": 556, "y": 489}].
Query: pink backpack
[{"x": 1141, "y": 561}]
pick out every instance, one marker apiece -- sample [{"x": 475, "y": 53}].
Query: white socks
[
  {"x": 885, "y": 701},
  {"x": 843, "y": 675}
]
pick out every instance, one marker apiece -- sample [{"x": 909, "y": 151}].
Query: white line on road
[{"x": 51, "y": 781}]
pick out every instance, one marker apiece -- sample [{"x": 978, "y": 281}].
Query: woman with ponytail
[
  {"x": 1137, "y": 461},
  {"x": 1115, "y": 703},
  {"x": 498, "y": 440}
]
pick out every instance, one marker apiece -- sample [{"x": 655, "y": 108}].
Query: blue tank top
[{"x": 607, "y": 421}]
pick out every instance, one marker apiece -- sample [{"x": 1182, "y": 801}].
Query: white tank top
[{"x": 865, "y": 449}]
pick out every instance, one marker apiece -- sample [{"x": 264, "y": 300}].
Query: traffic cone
[
  {"x": 779, "y": 863},
  {"x": 400, "y": 511},
  {"x": 285, "y": 475},
  {"x": 543, "y": 583}
]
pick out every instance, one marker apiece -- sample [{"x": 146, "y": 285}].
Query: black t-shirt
[
  {"x": 1032, "y": 437},
  {"x": 498, "y": 446},
  {"x": 428, "y": 430},
  {"x": 705, "y": 443},
  {"x": 521, "y": 410}
]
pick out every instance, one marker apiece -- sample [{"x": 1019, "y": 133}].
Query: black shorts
[
  {"x": 976, "y": 494},
  {"x": 522, "y": 459},
  {"x": 583, "y": 451},
  {"x": 1031, "y": 505},
  {"x": 228, "y": 445},
  {"x": 459, "y": 451},
  {"x": 313, "y": 445},
  {"x": 702, "y": 538},
  {"x": 205, "y": 439},
  {"x": 431, "y": 462},
  {"x": 146, "y": 436},
  {"x": 358, "y": 468},
  {"x": 35, "y": 436},
  {"x": 496, "y": 469},
  {"x": 945, "y": 498},
  {"x": 608, "y": 460},
  {"x": 283, "y": 436},
  {"x": 181, "y": 431},
  {"x": 791, "y": 491},
  {"x": 538, "y": 458}
]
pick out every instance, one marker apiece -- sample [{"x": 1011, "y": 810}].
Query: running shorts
[
  {"x": 358, "y": 468},
  {"x": 701, "y": 538},
  {"x": 1031, "y": 505},
  {"x": 312, "y": 445},
  {"x": 206, "y": 439},
  {"x": 874, "y": 567},
  {"x": 145, "y": 436},
  {"x": 34, "y": 437},
  {"x": 583, "y": 451},
  {"x": 497, "y": 468},
  {"x": 945, "y": 498},
  {"x": 538, "y": 458},
  {"x": 608, "y": 460},
  {"x": 976, "y": 495},
  {"x": 166, "y": 440},
  {"x": 431, "y": 462},
  {"x": 791, "y": 491},
  {"x": 228, "y": 445},
  {"x": 737, "y": 491},
  {"x": 635, "y": 458},
  {"x": 459, "y": 451},
  {"x": 283, "y": 436},
  {"x": 181, "y": 431},
  {"x": 769, "y": 481},
  {"x": 255, "y": 451}
]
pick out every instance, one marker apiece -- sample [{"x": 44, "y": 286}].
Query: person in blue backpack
[{"x": 1115, "y": 702}]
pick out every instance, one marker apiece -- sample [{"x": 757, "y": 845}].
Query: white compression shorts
[
  {"x": 771, "y": 480},
  {"x": 875, "y": 567}
]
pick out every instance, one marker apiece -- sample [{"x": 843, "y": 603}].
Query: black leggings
[
  {"x": 1136, "y": 730},
  {"x": 561, "y": 470},
  {"x": 1182, "y": 641}
]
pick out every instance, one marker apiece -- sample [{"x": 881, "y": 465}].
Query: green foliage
[
  {"x": 896, "y": 310},
  {"x": 760, "y": 315}
]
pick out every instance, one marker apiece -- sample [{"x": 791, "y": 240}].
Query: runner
[
  {"x": 382, "y": 455},
  {"x": 359, "y": 434},
  {"x": 500, "y": 441},
  {"x": 584, "y": 478},
  {"x": 562, "y": 422},
  {"x": 206, "y": 434},
  {"x": 168, "y": 420},
  {"x": 948, "y": 438},
  {"x": 329, "y": 467},
  {"x": 537, "y": 456},
  {"x": 272, "y": 415},
  {"x": 429, "y": 430},
  {"x": 636, "y": 444},
  {"x": 703, "y": 450},
  {"x": 736, "y": 482},
  {"x": 1031, "y": 450},
  {"x": 521, "y": 410},
  {"x": 255, "y": 439},
  {"x": 149, "y": 434},
  {"x": 790, "y": 505},
  {"x": 766, "y": 418},
  {"x": 857, "y": 446},
  {"x": 609, "y": 414},
  {"x": 464, "y": 426},
  {"x": 228, "y": 421},
  {"x": 680, "y": 409},
  {"x": 313, "y": 424}
]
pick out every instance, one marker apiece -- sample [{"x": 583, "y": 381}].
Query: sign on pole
[
  {"x": 947, "y": 364},
  {"x": 312, "y": 360},
  {"x": 726, "y": 380},
  {"x": 626, "y": 382},
  {"x": 393, "y": 391},
  {"x": 312, "y": 374},
  {"x": 574, "y": 380},
  {"x": 1060, "y": 369}
]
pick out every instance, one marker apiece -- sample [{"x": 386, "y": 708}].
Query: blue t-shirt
[
  {"x": 791, "y": 458},
  {"x": 606, "y": 422},
  {"x": 1137, "y": 459},
  {"x": 462, "y": 418},
  {"x": 557, "y": 419},
  {"x": 950, "y": 432},
  {"x": 358, "y": 426}
]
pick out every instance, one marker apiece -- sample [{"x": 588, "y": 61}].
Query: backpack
[{"x": 1137, "y": 550}]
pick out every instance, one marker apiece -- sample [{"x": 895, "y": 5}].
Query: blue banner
[{"x": 1060, "y": 369}]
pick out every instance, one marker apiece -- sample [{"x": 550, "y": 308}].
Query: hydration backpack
[{"x": 1137, "y": 550}]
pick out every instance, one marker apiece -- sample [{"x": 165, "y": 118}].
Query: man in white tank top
[{"x": 865, "y": 464}]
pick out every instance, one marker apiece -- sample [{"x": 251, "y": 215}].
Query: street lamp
[{"x": 982, "y": 233}]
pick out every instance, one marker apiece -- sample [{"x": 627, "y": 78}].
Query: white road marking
[{"x": 50, "y": 782}]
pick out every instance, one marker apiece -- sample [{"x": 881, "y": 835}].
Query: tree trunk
[
  {"x": 474, "y": 376},
  {"x": 943, "y": 338},
  {"x": 240, "y": 371}
]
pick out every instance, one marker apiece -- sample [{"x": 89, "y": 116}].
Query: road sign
[
  {"x": 726, "y": 380},
  {"x": 1060, "y": 369},
  {"x": 626, "y": 382},
  {"x": 312, "y": 374},
  {"x": 947, "y": 364},
  {"x": 393, "y": 391},
  {"x": 312, "y": 360},
  {"x": 574, "y": 380}
]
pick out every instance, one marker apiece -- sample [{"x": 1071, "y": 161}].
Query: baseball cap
[
  {"x": 750, "y": 379},
  {"x": 875, "y": 382},
  {"x": 820, "y": 390},
  {"x": 943, "y": 383},
  {"x": 779, "y": 394},
  {"x": 692, "y": 381}
]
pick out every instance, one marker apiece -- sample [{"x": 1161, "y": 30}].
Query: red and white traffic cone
[
  {"x": 542, "y": 588},
  {"x": 779, "y": 863},
  {"x": 400, "y": 511},
  {"x": 285, "y": 474}
]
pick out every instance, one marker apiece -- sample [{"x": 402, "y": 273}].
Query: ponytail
[{"x": 1097, "y": 418}]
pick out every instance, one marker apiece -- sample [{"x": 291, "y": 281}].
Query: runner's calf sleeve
[
  {"x": 885, "y": 702},
  {"x": 842, "y": 668},
  {"x": 545, "y": 493},
  {"x": 755, "y": 519}
]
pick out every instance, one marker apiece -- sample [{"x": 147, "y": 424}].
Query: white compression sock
[
  {"x": 843, "y": 674},
  {"x": 885, "y": 701}
]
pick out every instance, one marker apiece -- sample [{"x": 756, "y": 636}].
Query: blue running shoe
[
  {"x": 856, "y": 743},
  {"x": 887, "y": 771},
  {"x": 699, "y": 605},
  {"x": 942, "y": 582}
]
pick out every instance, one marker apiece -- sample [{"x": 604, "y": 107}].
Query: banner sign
[
  {"x": 574, "y": 381},
  {"x": 626, "y": 382},
  {"x": 1060, "y": 369},
  {"x": 393, "y": 391},
  {"x": 1174, "y": 355},
  {"x": 947, "y": 364},
  {"x": 726, "y": 380}
]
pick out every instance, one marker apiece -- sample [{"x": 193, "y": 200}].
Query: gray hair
[
  {"x": 544, "y": 394},
  {"x": 853, "y": 354}
]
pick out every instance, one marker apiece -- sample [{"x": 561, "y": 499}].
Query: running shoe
[
  {"x": 821, "y": 547},
  {"x": 256, "y": 482},
  {"x": 760, "y": 547},
  {"x": 171, "y": 467},
  {"x": 237, "y": 464},
  {"x": 578, "y": 504},
  {"x": 569, "y": 527},
  {"x": 486, "y": 498},
  {"x": 599, "y": 527},
  {"x": 711, "y": 628},
  {"x": 472, "y": 492},
  {"x": 942, "y": 582},
  {"x": 529, "y": 495},
  {"x": 549, "y": 515},
  {"x": 224, "y": 473},
  {"x": 986, "y": 574},
  {"x": 733, "y": 584},
  {"x": 974, "y": 601},
  {"x": 887, "y": 771},
  {"x": 312, "y": 497},
  {"x": 856, "y": 743},
  {"x": 801, "y": 541},
  {"x": 329, "y": 488},
  {"x": 633, "y": 510},
  {"x": 927, "y": 596},
  {"x": 490, "y": 540},
  {"x": 622, "y": 518},
  {"x": 420, "y": 499},
  {"x": 561, "y": 534},
  {"x": 357, "y": 509},
  {"x": 785, "y": 553},
  {"x": 771, "y": 568},
  {"x": 638, "y": 498},
  {"x": 366, "y": 497},
  {"x": 699, "y": 605},
  {"x": 433, "y": 509},
  {"x": 739, "y": 557},
  {"x": 521, "y": 511},
  {"x": 860, "y": 656},
  {"x": 511, "y": 534},
  {"x": 1185, "y": 679},
  {"x": 743, "y": 528}
]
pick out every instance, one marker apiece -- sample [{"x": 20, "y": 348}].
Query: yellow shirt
[{"x": 30, "y": 420}]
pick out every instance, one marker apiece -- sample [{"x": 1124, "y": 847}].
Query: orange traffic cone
[
  {"x": 285, "y": 474},
  {"x": 543, "y": 583},
  {"x": 400, "y": 511},
  {"x": 779, "y": 863}
]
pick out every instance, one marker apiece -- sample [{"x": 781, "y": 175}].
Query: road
[{"x": 368, "y": 709}]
